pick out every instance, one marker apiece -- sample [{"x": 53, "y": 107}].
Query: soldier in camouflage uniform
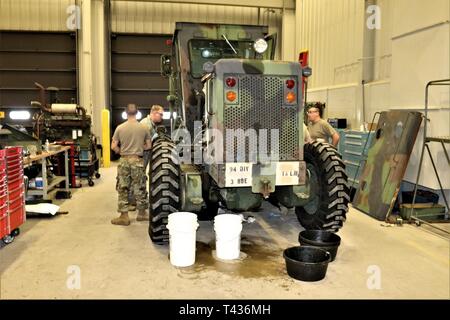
[
  {"x": 150, "y": 121},
  {"x": 154, "y": 118},
  {"x": 130, "y": 140}
]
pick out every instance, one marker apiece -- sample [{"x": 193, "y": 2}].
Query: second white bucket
[
  {"x": 182, "y": 238},
  {"x": 228, "y": 229}
]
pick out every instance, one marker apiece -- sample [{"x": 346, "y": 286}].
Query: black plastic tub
[
  {"x": 306, "y": 263},
  {"x": 322, "y": 239}
]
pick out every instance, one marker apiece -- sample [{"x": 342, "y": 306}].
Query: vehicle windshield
[{"x": 201, "y": 51}]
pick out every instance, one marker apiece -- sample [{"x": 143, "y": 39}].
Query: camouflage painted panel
[{"x": 386, "y": 163}]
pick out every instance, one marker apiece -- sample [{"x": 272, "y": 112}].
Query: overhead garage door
[
  {"x": 135, "y": 73},
  {"x": 48, "y": 58}
]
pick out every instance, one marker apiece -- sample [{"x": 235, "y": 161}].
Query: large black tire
[
  {"x": 329, "y": 189},
  {"x": 164, "y": 189}
]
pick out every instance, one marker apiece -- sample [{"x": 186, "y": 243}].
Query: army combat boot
[
  {"x": 132, "y": 204},
  {"x": 123, "y": 220},
  {"x": 142, "y": 215}
]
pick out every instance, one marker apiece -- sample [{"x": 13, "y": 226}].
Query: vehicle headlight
[
  {"x": 208, "y": 67},
  {"x": 260, "y": 45},
  {"x": 206, "y": 53}
]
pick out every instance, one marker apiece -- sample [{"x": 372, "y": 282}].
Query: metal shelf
[
  {"x": 49, "y": 185},
  {"x": 39, "y": 192},
  {"x": 426, "y": 140},
  {"x": 442, "y": 139}
]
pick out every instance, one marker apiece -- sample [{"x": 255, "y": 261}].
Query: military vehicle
[{"x": 237, "y": 134}]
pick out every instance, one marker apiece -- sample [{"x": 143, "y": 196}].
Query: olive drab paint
[
  {"x": 237, "y": 139},
  {"x": 386, "y": 162}
]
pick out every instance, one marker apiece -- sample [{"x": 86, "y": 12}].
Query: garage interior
[{"x": 372, "y": 62}]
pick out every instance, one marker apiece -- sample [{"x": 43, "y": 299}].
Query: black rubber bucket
[
  {"x": 322, "y": 239},
  {"x": 306, "y": 263}
]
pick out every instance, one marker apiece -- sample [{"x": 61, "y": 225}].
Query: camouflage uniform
[
  {"x": 151, "y": 126},
  {"x": 131, "y": 177},
  {"x": 132, "y": 137},
  {"x": 146, "y": 158}
]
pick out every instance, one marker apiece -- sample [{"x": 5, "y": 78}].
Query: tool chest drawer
[{"x": 354, "y": 146}]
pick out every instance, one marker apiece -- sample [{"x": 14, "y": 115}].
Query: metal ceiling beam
[{"x": 274, "y": 4}]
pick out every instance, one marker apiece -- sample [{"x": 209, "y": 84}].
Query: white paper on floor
[{"x": 42, "y": 208}]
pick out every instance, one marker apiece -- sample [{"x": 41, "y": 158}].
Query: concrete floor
[{"x": 120, "y": 262}]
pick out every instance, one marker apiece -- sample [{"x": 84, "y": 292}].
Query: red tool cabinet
[
  {"x": 3, "y": 196},
  {"x": 12, "y": 192}
]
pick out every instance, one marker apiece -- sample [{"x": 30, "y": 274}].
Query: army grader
[{"x": 237, "y": 134}]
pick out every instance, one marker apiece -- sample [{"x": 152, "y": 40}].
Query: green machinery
[
  {"x": 11, "y": 136},
  {"x": 237, "y": 134},
  {"x": 67, "y": 124}
]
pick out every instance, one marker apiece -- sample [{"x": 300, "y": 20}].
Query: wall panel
[
  {"x": 42, "y": 15},
  {"x": 332, "y": 32}
]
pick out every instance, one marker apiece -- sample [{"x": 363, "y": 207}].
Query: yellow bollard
[{"x": 105, "y": 139}]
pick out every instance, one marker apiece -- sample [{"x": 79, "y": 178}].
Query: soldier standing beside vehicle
[
  {"x": 150, "y": 122},
  {"x": 318, "y": 128},
  {"x": 154, "y": 118},
  {"x": 306, "y": 135},
  {"x": 130, "y": 139}
]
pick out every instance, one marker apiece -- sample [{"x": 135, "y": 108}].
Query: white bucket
[
  {"x": 182, "y": 236},
  {"x": 228, "y": 229}
]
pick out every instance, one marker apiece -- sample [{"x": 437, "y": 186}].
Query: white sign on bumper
[
  {"x": 238, "y": 174},
  {"x": 287, "y": 173}
]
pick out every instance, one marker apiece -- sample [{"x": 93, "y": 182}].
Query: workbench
[{"x": 48, "y": 186}]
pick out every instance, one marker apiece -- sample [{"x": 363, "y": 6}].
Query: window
[
  {"x": 19, "y": 115},
  {"x": 201, "y": 51},
  {"x": 166, "y": 115},
  {"x": 138, "y": 116}
]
